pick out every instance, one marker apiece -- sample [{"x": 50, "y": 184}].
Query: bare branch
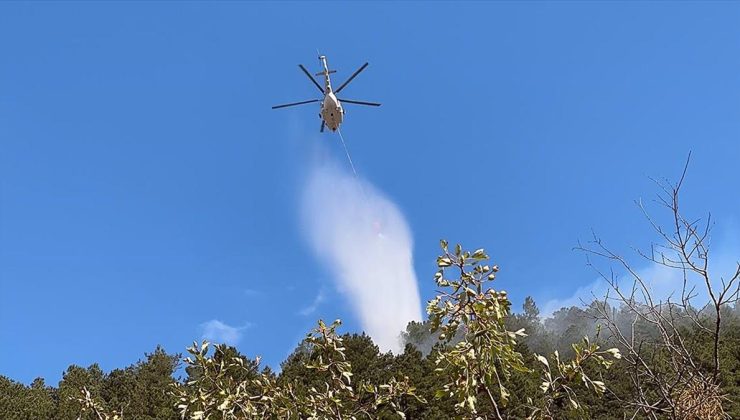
[{"x": 683, "y": 385}]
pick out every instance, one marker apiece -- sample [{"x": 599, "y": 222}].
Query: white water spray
[{"x": 365, "y": 241}]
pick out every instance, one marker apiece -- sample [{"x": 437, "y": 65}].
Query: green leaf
[
  {"x": 504, "y": 394},
  {"x": 543, "y": 360},
  {"x": 599, "y": 386},
  {"x": 471, "y": 400},
  {"x": 544, "y": 386},
  {"x": 480, "y": 254},
  {"x": 443, "y": 262},
  {"x": 615, "y": 353}
]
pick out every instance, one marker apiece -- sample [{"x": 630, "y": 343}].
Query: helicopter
[{"x": 332, "y": 112}]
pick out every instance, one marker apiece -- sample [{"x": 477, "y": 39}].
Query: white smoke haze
[
  {"x": 364, "y": 240},
  {"x": 663, "y": 282}
]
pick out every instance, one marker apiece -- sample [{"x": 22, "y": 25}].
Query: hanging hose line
[{"x": 352, "y": 165}]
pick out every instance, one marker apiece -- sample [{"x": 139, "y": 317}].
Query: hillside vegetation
[{"x": 628, "y": 355}]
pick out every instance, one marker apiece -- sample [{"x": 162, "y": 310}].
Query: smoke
[
  {"x": 662, "y": 282},
  {"x": 366, "y": 243}
]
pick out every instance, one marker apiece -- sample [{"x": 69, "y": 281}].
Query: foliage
[
  {"x": 91, "y": 407},
  {"x": 18, "y": 402},
  {"x": 560, "y": 384},
  {"x": 471, "y": 359},
  {"x": 120, "y": 387},
  {"x": 487, "y": 357},
  {"x": 214, "y": 392}
]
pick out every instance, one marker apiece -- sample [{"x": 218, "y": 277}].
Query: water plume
[{"x": 364, "y": 240}]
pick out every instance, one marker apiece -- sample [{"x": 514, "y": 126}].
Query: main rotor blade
[
  {"x": 358, "y": 102},
  {"x": 296, "y": 103},
  {"x": 318, "y": 86},
  {"x": 352, "y": 77}
]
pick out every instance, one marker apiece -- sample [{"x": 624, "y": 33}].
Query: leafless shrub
[{"x": 682, "y": 387}]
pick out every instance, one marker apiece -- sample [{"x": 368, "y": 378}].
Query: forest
[{"x": 630, "y": 354}]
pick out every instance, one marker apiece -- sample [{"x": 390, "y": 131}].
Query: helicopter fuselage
[{"x": 331, "y": 111}]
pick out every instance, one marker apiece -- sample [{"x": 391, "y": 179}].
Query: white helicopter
[{"x": 332, "y": 113}]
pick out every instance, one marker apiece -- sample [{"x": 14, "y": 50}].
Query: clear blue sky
[{"x": 146, "y": 187}]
